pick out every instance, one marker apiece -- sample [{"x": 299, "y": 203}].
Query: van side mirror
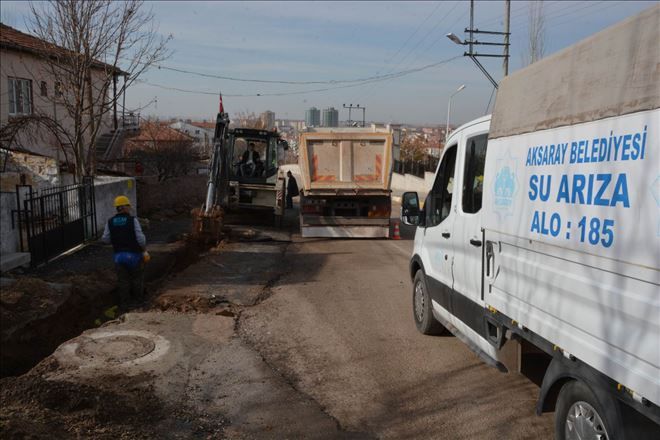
[{"x": 411, "y": 214}]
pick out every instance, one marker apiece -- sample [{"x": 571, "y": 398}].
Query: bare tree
[
  {"x": 87, "y": 46},
  {"x": 246, "y": 119},
  {"x": 536, "y": 41},
  {"x": 163, "y": 151},
  {"x": 414, "y": 148}
]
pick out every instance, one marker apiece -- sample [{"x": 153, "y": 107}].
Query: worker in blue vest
[{"x": 130, "y": 253}]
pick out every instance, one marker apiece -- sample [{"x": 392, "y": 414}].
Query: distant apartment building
[
  {"x": 295, "y": 124},
  {"x": 313, "y": 117},
  {"x": 330, "y": 117},
  {"x": 268, "y": 119}
]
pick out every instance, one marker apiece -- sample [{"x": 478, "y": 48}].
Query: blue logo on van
[{"x": 505, "y": 186}]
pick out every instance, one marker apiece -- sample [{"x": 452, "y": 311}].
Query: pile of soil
[
  {"x": 37, "y": 315},
  {"x": 193, "y": 304},
  {"x": 112, "y": 407}
]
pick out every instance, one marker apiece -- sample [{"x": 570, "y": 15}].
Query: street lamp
[
  {"x": 449, "y": 110},
  {"x": 452, "y": 36}
]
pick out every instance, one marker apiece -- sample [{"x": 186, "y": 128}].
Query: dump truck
[{"x": 345, "y": 188}]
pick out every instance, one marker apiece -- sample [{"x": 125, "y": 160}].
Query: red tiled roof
[
  {"x": 207, "y": 125},
  {"x": 152, "y": 131},
  {"x": 11, "y": 38}
]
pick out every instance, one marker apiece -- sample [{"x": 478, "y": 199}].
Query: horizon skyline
[{"x": 293, "y": 43}]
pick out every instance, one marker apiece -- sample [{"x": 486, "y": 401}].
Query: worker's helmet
[{"x": 122, "y": 201}]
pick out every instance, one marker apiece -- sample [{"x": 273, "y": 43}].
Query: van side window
[
  {"x": 473, "y": 182},
  {"x": 438, "y": 202}
]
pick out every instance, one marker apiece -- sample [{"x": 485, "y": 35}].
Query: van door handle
[
  {"x": 446, "y": 235},
  {"x": 475, "y": 242}
]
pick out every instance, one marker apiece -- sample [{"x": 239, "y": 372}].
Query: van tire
[
  {"x": 422, "y": 311},
  {"x": 576, "y": 398}
]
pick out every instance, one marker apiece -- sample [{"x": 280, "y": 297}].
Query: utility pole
[
  {"x": 351, "y": 107},
  {"x": 507, "y": 20},
  {"x": 471, "y": 42}
]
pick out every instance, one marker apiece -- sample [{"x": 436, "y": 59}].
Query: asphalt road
[
  {"x": 339, "y": 326},
  {"x": 270, "y": 336}
]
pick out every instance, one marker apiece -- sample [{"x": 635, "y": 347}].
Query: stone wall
[{"x": 409, "y": 182}]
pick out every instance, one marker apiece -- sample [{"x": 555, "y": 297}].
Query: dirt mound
[
  {"x": 37, "y": 316},
  {"x": 110, "y": 408},
  {"x": 185, "y": 303},
  {"x": 28, "y": 298}
]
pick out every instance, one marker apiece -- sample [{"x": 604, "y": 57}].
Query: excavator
[{"x": 244, "y": 174}]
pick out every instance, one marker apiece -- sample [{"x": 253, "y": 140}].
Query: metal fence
[
  {"x": 414, "y": 167},
  {"x": 53, "y": 220}
]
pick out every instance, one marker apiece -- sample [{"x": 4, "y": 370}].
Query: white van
[{"x": 539, "y": 242}]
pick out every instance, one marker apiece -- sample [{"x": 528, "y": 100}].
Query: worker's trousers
[{"x": 130, "y": 284}]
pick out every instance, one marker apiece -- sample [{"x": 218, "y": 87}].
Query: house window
[
  {"x": 20, "y": 96},
  {"x": 196, "y": 131},
  {"x": 44, "y": 88},
  {"x": 58, "y": 89}
]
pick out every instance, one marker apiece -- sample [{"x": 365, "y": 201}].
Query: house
[
  {"x": 161, "y": 151},
  {"x": 31, "y": 93},
  {"x": 201, "y": 132},
  {"x": 36, "y": 150}
]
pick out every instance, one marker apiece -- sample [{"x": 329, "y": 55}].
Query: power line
[
  {"x": 302, "y": 92},
  {"x": 390, "y": 59},
  {"x": 369, "y": 92},
  {"x": 344, "y": 81},
  {"x": 414, "y": 33}
]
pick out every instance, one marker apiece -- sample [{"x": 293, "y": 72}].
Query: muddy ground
[
  {"x": 113, "y": 407},
  {"x": 44, "y": 306},
  {"x": 208, "y": 384}
]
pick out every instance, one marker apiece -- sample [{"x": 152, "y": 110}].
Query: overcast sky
[{"x": 324, "y": 41}]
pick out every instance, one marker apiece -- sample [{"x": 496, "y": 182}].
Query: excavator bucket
[{"x": 207, "y": 227}]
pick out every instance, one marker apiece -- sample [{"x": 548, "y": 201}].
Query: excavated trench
[{"x": 38, "y": 316}]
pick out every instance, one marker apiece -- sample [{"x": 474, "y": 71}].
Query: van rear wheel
[
  {"x": 579, "y": 415},
  {"x": 422, "y": 310}
]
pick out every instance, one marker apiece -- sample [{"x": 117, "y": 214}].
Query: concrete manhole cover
[
  {"x": 103, "y": 348},
  {"x": 116, "y": 348}
]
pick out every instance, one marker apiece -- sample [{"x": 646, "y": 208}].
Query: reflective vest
[{"x": 122, "y": 234}]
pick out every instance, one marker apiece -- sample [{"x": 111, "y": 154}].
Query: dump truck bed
[
  {"x": 345, "y": 159},
  {"x": 345, "y": 183}
]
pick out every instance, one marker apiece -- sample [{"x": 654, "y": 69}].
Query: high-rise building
[
  {"x": 268, "y": 119},
  {"x": 313, "y": 117},
  {"x": 330, "y": 117}
]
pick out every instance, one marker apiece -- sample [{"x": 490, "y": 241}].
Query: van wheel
[
  {"x": 424, "y": 320},
  {"x": 579, "y": 415}
]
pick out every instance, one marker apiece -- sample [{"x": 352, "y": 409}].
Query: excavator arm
[{"x": 208, "y": 220}]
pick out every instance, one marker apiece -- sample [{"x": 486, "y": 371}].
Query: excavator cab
[
  {"x": 253, "y": 157},
  {"x": 243, "y": 173}
]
